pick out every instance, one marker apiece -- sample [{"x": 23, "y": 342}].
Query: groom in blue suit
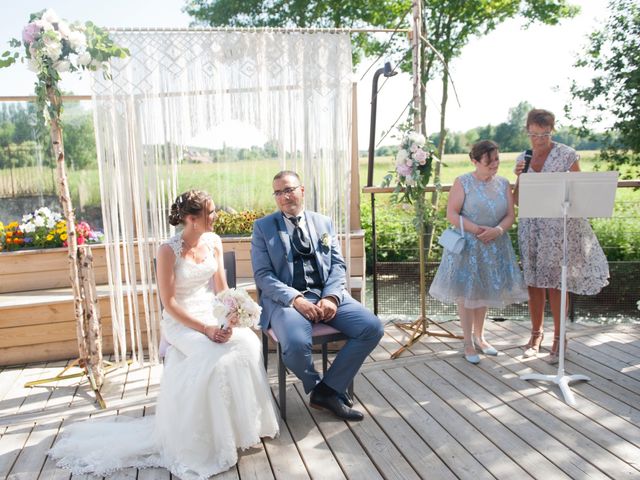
[{"x": 300, "y": 274}]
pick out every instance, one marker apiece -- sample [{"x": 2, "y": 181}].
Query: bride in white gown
[{"x": 214, "y": 396}]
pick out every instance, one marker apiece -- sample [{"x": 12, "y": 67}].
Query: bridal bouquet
[{"x": 237, "y": 301}]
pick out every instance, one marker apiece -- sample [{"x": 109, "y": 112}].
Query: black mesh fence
[{"x": 398, "y": 293}]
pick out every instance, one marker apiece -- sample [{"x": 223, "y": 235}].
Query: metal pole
[{"x": 388, "y": 72}]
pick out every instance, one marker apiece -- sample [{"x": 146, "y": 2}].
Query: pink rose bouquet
[{"x": 237, "y": 302}]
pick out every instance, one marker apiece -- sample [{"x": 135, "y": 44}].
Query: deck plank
[
  {"x": 313, "y": 448},
  {"x": 569, "y": 426},
  {"x": 350, "y": 455},
  {"x": 285, "y": 459},
  {"x": 428, "y": 414}
]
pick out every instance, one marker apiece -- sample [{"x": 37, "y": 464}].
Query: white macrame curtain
[{"x": 293, "y": 87}]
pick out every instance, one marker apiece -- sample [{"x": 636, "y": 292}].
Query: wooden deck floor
[{"x": 429, "y": 415}]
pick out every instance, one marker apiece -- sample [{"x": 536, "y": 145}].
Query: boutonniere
[{"x": 325, "y": 240}]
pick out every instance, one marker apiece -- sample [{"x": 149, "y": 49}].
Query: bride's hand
[{"x": 217, "y": 334}]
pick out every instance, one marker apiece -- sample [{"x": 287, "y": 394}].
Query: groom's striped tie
[{"x": 299, "y": 239}]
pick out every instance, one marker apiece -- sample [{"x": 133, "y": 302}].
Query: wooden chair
[
  {"x": 229, "y": 261},
  {"x": 321, "y": 334}
]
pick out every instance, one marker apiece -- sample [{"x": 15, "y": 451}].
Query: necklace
[{"x": 191, "y": 250}]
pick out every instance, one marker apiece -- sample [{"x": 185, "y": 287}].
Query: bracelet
[{"x": 501, "y": 229}]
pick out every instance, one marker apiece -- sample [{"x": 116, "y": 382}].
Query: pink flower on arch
[
  {"x": 420, "y": 156},
  {"x": 30, "y": 32},
  {"x": 404, "y": 170}
]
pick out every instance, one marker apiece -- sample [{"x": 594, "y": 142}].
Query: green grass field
[
  {"x": 455, "y": 165},
  {"x": 247, "y": 186},
  {"x": 242, "y": 185}
]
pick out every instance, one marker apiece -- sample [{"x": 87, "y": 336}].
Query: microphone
[{"x": 527, "y": 160}]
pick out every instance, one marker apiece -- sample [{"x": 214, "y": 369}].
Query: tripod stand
[
  {"x": 554, "y": 195},
  {"x": 420, "y": 327}
]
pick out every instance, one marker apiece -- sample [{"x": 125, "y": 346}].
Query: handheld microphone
[{"x": 527, "y": 160}]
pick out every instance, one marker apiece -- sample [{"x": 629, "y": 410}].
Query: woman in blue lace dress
[{"x": 485, "y": 274}]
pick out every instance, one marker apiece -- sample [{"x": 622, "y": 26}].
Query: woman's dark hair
[
  {"x": 482, "y": 148},
  {"x": 192, "y": 202},
  {"x": 544, "y": 118}
]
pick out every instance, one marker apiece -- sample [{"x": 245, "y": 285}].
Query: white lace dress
[{"x": 214, "y": 398}]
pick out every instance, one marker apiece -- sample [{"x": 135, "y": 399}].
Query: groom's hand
[
  {"x": 307, "y": 309},
  {"x": 329, "y": 308}
]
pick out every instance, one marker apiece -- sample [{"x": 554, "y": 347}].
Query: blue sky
[{"x": 493, "y": 74}]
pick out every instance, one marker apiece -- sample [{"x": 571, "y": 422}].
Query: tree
[
  {"x": 449, "y": 24},
  {"x": 613, "y": 94},
  {"x": 510, "y": 135},
  {"x": 303, "y": 14},
  {"x": 80, "y": 143}
]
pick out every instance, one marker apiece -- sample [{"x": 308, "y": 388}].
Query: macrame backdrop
[{"x": 294, "y": 87}]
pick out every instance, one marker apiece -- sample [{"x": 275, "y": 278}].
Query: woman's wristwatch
[{"x": 501, "y": 229}]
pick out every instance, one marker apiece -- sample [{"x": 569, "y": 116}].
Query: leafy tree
[
  {"x": 449, "y": 25},
  {"x": 613, "y": 93},
  {"x": 510, "y": 135},
  {"x": 80, "y": 143}
]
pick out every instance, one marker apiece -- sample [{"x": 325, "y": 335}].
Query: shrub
[{"x": 237, "y": 223}]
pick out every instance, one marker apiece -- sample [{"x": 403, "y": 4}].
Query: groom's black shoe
[
  {"x": 334, "y": 404},
  {"x": 346, "y": 399}
]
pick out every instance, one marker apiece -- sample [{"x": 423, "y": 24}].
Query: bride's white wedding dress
[{"x": 214, "y": 398}]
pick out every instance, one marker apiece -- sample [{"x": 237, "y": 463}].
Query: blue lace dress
[{"x": 482, "y": 275}]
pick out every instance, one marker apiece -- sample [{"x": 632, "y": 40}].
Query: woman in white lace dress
[
  {"x": 541, "y": 240},
  {"x": 214, "y": 396}
]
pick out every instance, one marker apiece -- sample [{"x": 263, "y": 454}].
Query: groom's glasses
[{"x": 285, "y": 191}]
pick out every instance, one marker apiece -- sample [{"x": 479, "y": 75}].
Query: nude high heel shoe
[
  {"x": 554, "y": 353},
  {"x": 533, "y": 346}
]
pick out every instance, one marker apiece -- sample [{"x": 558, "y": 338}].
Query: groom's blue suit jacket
[{"x": 272, "y": 261}]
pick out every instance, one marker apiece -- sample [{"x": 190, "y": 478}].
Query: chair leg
[
  {"x": 265, "y": 349},
  {"x": 325, "y": 362},
  {"x": 282, "y": 385}
]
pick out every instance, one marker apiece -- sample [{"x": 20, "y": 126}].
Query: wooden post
[
  {"x": 355, "y": 163},
  {"x": 91, "y": 320},
  {"x": 72, "y": 247}
]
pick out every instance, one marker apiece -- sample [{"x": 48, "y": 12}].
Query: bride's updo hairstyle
[
  {"x": 482, "y": 148},
  {"x": 192, "y": 202}
]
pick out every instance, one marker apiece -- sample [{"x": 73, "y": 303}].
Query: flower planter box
[{"x": 36, "y": 304}]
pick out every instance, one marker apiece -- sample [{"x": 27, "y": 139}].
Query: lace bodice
[
  {"x": 194, "y": 281},
  {"x": 485, "y": 203}
]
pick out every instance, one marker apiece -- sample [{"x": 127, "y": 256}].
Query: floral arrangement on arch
[
  {"x": 43, "y": 229},
  {"x": 51, "y": 46},
  {"x": 412, "y": 172}
]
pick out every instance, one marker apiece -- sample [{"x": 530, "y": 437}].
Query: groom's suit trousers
[{"x": 360, "y": 325}]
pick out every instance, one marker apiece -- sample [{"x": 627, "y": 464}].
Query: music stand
[{"x": 565, "y": 195}]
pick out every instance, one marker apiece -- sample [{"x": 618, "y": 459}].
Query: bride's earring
[{"x": 195, "y": 227}]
